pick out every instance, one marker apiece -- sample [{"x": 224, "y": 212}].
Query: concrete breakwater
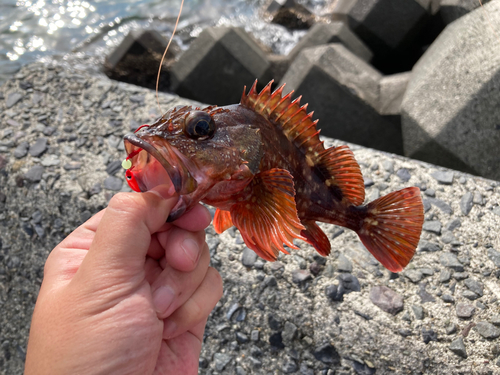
[{"x": 60, "y": 155}]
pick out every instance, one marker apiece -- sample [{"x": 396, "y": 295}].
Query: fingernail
[
  {"x": 169, "y": 329},
  {"x": 163, "y": 298},
  {"x": 191, "y": 249}
]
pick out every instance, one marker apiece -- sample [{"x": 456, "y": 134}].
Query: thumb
[{"x": 123, "y": 236}]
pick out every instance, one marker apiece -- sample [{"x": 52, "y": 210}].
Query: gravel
[{"x": 380, "y": 322}]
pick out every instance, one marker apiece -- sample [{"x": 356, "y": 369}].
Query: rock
[
  {"x": 276, "y": 340},
  {"x": 487, "y": 330},
  {"x": 464, "y": 311},
  {"x": 443, "y": 177},
  {"x": 290, "y": 14},
  {"x": 241, "y": 337},
  {"x": 349, "y": 282},
  {"x": 403, "y": 174},
  {"x": 450, "y": 260},
  {"x": 457, "y": 346},
  {"x": 443, "y": 206},
  {"x": 447, "y": 298},
  {"x": 453, "y": 224},
  {"x": 363, "y": 368},
  {"x": 418, "y": 311},
  {"x": 50, "y": 160},
  {"x": 221, "y": 360},
  {"x": 13, "y": 99},
  {"x": 424, "y": 295},
  {"x": 113, "y": 183},
  {"x": 444, "y": 276},
  {"x": 475, "y": 286},
  {"x": 21, "y": 150},
  {"x": 35, "y": 173},
  {"x": 470, "y": 295},
  {"x": 387, "y": 299},
  {"x": 74, "y": 165},
  {"x": 335, "y": 292},
  {"x": 466, "y": 203},
  {"x": 414, "y": 275},
  {"x": 335, "y": 32},
  {"x": 327, "y": 354},
  {"x": 344, "y": 264},
  {"x": 233, "y": 59},
  {"x": 446, "y": 107},
  {"x": 433, "y": 226},
  {"x": 39, "y": 147},
  {"x": 451, "y": 329},
  {"x": 114, "y": 167},
  {"x": 248, "y": 257},
  {"x": 495, "y": 319},
  {"x": 341, "y": 87}
]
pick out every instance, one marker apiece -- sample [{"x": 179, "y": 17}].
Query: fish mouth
[{"x": 179, "y": 174}]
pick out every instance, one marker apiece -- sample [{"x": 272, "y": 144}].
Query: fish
[{"x": 263, "y": 166}]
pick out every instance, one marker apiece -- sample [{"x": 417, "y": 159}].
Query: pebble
[
  {"x": 241, "y": 337},
  {"x": 21, "y": 150},
  {"x": 445, "y": 178},
  {"x": 427, "y": 205},
  {"x": 221, "y": 360},
  {"x": 450, "y": 260},
  {"x": 113, "y": 183},
  {"x": 470, "y": 295},
  {"x": 276, "y": 340},
  {"x": 418, "y": 311},
  {"x": 386, "y": 299},
  {"x": 39, "y": 147},
  {"x": 273, "y": 322},
  {"x": 447, "y": 298},
  {"x": 404, "y": 174},
  {"x": 289, "y": 365},
  {"x": 487, "y": 330},
  {"x": 299, "y": 276},
  {"x": 362, "y": 368},
  {"x": 478, "y": 198},
  {"x": 344, "y": 264},
  {"x": 12, "y": 99},
  {"x": 289, "y": 332},
  {"x": 466, "y": 203},
  {"x": 451, "y": 329},
  {"x": 114, "y": 167},
  {"x": 442, "y": 205},
  {"x": 388, "y": 166},
  {"x": 233, "y": 309},
  {"x": 335, "y": 292},
  {"x": 349, "y": 282},
  {"x": 248, "y": 257},
  {"x": 444, "y": 276},
  {"x": 430, "y": 246},
  {"x": 433, "y": 226},
  {"x": 424, "y": 295},
  {"x": 254, "y": 335},
  {"x": 474, "y": 286},
  {"x": 35, "y": 173},
  {"x": 50, "y": 160},
  {"x": 428, "y": 335},
  {"x": 495, "y": 319},
  {"x": 414, "y": 275},
  {"x": 494, "y": 256},
  {"x": 327, "y": 354},
  {"x": 460, "y": 276},
  {"x": 75, "y": 165},
  {"x": 453, "y": 224},
  {"x": 464, "y": 310},
  {"x": 457, "y": 346}
]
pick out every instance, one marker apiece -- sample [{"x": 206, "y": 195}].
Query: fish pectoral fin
[
  {"x": 316, "y": 237},
  {"x": 222, "y": 221},
  {"x": 345, "y": 178},
  {"x": 267, "y": 218}
]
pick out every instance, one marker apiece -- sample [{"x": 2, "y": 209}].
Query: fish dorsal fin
[
  {"x": 337, "y": 164},
  {"x": 222, "y": 221},
  {"x": 267, "y": 218}
]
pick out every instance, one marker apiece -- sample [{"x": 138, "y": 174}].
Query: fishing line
[{"x": 164, "y": 54}]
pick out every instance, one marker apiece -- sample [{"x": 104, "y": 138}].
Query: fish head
[{"x": 189, "y": 150}]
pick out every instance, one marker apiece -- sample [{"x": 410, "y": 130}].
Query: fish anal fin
[
  {"x": 222, "y": 220},
  {"x": 267, "y": 218},
  {"x": 341, "y": 170},
  {"x": 316, "y": 237},
  {"x": 392, "y": 227}
]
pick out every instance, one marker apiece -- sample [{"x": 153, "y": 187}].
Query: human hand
[{"x": 126, "y": 293}]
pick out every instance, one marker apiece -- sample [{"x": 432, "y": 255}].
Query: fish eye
[{"x": 199, "y": 124}]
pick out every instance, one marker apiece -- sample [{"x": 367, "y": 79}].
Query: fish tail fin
[{"x": 392, "y": 226}]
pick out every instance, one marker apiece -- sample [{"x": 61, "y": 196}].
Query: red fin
[
  {"x": 267, "y": 219},
  {"x": 392, "y": 227},
  {"x": 316, "y": 237},
  {"x": 339, "y": 163},
  {"x": 222, "y": 220}
]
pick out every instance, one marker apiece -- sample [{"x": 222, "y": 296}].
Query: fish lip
[{"x": 182, "y": 180}]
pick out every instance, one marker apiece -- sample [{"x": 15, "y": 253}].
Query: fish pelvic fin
[
  {"x": 316, "y": 237},
  {"x": 392, "y": 226},
  {"x": 267, "y": 218},
  {"x": 222, "y": 221}
]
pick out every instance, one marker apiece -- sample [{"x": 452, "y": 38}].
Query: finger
[
  {"x": 173, "y": 288},
  {"x": 182, "y": 248},
  {"x": 123, "y": 236},
  {"x": 198, "y": 218},
  {"x": 195, "y": 309},
  {"x": 152, "y": 270}
]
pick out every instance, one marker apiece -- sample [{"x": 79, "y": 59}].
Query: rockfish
[{"x": 262, "y": 164}]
